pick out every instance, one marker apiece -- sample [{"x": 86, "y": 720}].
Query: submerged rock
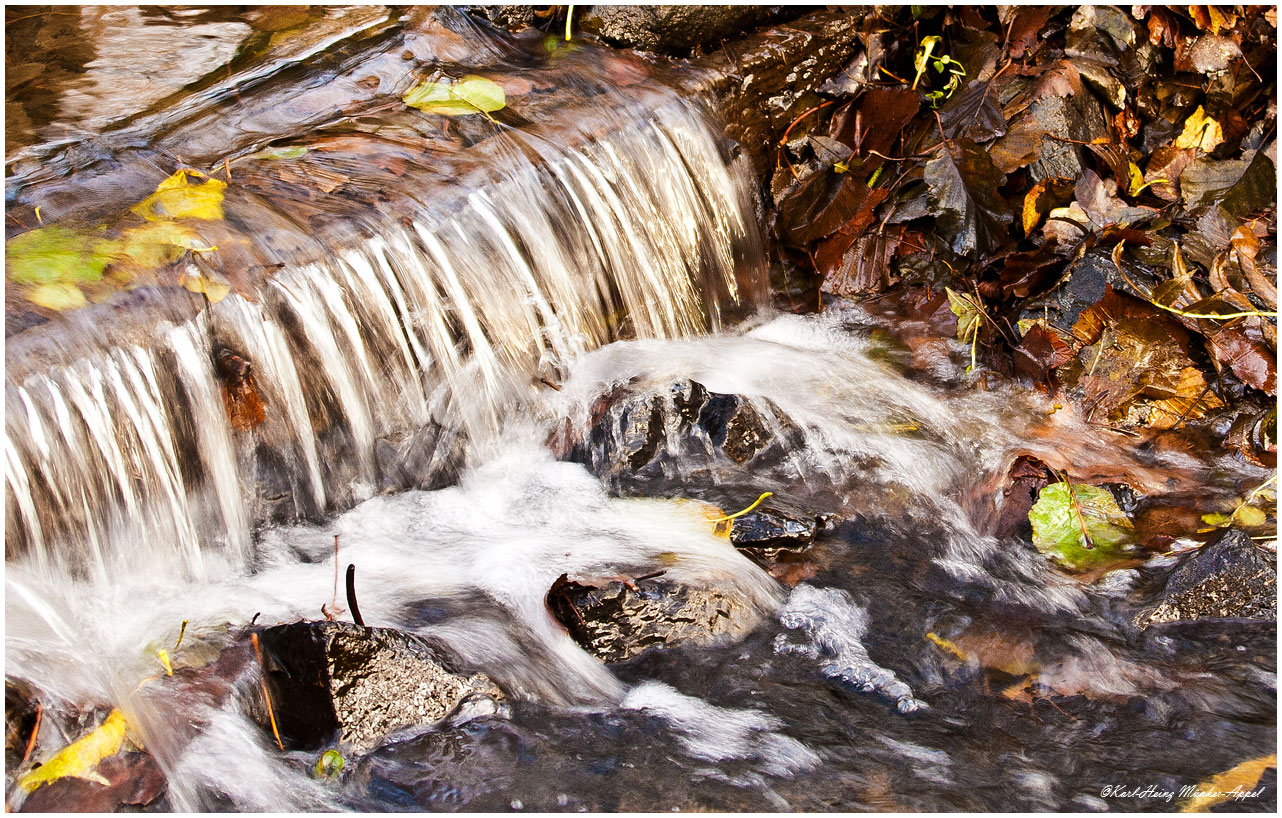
[
  {"x": 624, "y": 618},
  {"x": 361, "y": 683},
  {"x": 1228, "y": 579},
  {"x": 776, "y": 524}
]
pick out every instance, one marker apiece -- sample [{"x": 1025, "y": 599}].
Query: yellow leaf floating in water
[
  {"x": 57, "y": 296},
  {"x": 214, "y": 289},
  {"x": 1220, "y": 788},
  {"x": 80, "y": 759},
  {"x": 188, "y": 194}
]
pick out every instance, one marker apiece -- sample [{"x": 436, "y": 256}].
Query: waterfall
[{"x": 377, "y": 358}]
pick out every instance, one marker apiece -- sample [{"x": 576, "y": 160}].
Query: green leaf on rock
[
  {"x": 449, "y": 97},
  {"x": 1082, "y": 530},
  {"x": 56, "y": 255}
]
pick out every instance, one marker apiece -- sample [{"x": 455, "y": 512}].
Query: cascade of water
[{"x": 429, "y": 328}]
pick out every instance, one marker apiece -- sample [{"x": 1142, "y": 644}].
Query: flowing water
[{"x": 416, "y": 342}]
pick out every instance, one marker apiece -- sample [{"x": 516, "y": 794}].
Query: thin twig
[
  {"x": 35, "y": 732},
  {"x": 262, "y": 680}
]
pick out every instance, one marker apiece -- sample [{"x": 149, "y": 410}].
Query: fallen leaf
[
  {"x": 58, "y": 296},
  {"x": 974, "y": 113},
  {"x": 1240, "y": 186},
  {"x": 1082, "y": 529},
  {"x": 1245, "y": 352},
  {"x": 1221, "y": 787},
  {"x": 1201, "y": 132},
  {"x": 80, "y": 759},
  {"x": 1045, "y": 196},
  {"x": 56, "y": 254},
  {"x": 214, "y": 289},
  {"x": 963, "y": 182},
  {"x": 188, "y": 194},
  {"x": 449, "y": 97}
]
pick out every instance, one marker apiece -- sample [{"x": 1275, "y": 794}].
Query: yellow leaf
[
  {"x": 157, "y": 244},
  {"x": 1200, "y": 131},
  {"x": 214, "y": 289},
  {"x": 188, "y": 194},
  {"x": 1220, "y": 788},
  {"x": 1251, "y": 517},
  {"x": 57, "y": 296},
  {"x": 946, "y": 646},
  {"x": 80, "y": 758}
]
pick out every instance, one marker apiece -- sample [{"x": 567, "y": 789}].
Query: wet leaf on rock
[
  {"x": 1081, "y": 529},
  {"x": 449, "y": 97},
  {"x": 1244, "y": 351},
  {"x": 57, "y": 255},
  {"x": 188, "y": 194},
  {"x": 974, "y": 113},
  {"x": 59, "y": 296},
  {"x": 963, "y": 184},
  {"x": 80, "y": 759},
  {"x": 1240, "y": 186}
]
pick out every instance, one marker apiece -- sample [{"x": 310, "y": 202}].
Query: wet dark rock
[
  {"x": 734, "y": 426},
  {"x": 637, "y": 435},
  {"x": 1229, "y": 579},
  {"x": 338, "y": 679},
  {"x": 624, "y": 618},
  {"x": 776, "y": 523},
  {"x": 512, "y": 18},
  {"x": 672, "y": 29},
  {"x": 764, "y": 81}
]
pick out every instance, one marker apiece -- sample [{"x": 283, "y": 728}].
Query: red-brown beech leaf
[
  {"x": 825, "y": 203},
  {"x": 863, "y": 268},
  {"x": 1243, "y": 350},
  {"x": 1040, "y": 351},
  {"x": 1026, "y": 26},
  {"x": 876, "y": 120},
  {"x": 974, "y": 113},
  {"x": 963, "y": 184}
]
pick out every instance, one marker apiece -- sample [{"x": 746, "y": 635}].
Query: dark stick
[{"x": 351, "y": 596}]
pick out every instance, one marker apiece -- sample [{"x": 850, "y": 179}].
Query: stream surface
[{"x": 908, "y": 660}]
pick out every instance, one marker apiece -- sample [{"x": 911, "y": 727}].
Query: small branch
[
  {"x": 262, "y": 680},
  {"x": 351, "y": 596}
]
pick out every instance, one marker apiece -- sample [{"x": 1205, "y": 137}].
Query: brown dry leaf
[
  {"x": 1164, "y": 167},
  {"x": 1213, "y": 18},
  {"x": 1220, "y": 788},
  {"x": 1135, "y": 367},
  {"x": 1241, "y": 347},
  {"x": 1246, "y": 246}
]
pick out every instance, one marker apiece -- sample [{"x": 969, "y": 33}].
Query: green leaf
[
  {"x": 188, "y": 194},
  {"x": 449, "y": 97},
  {"x": 1058, "y": 519},
  {"x": 969, "y": 314},
  {"x": 329, "y": 765},
  {"x": 56, "y": 255}
]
